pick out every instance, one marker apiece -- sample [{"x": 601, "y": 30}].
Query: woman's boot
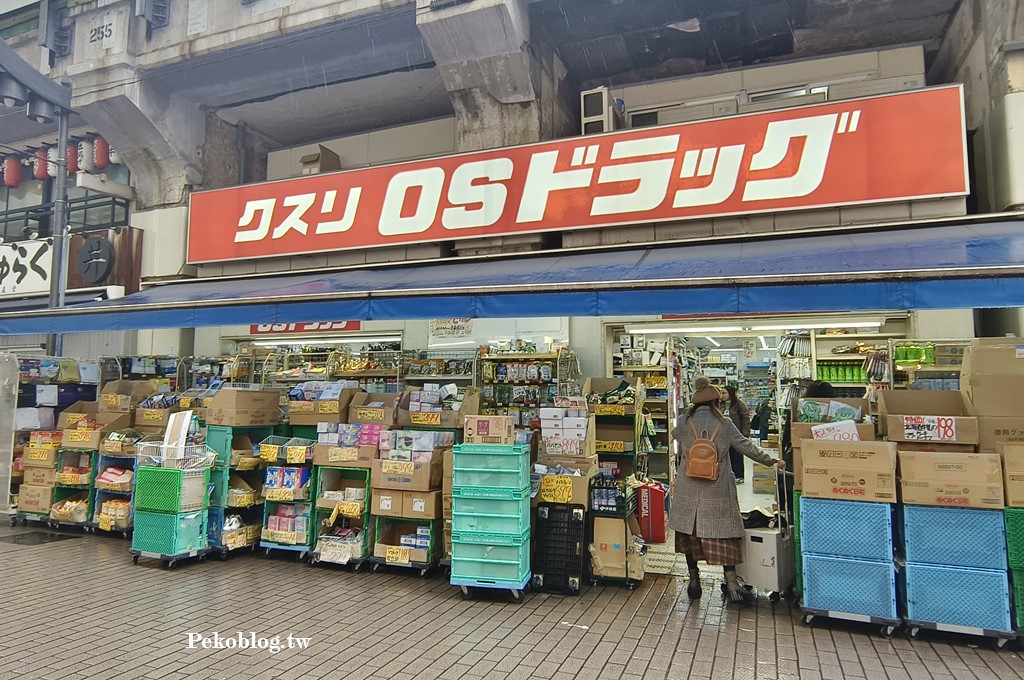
[
  {"x": 736, "y": 592},
  {"x": 693, "y": 589}
]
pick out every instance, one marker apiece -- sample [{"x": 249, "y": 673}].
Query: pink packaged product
[
  {"x": 273, "y": 523},
  {"x": 386, "y": 439},
  {"x": 422, "y": 456}
]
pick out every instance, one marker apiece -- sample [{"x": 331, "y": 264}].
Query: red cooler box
[{"x": 650, "y": 511}]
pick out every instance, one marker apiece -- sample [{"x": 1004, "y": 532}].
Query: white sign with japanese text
[{"x": 25, "y": 268}]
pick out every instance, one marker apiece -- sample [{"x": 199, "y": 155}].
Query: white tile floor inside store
[{"x": 79, "y": 609}]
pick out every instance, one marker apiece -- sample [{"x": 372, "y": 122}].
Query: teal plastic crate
[
  {"x": 502, "y": 467},
  {"x": 509, "y": 515},
  {"x": 219, "y": 481},
  {"x": 500, "y": 558},
  {"x": 167, "y": 534},
  {"x": 491, "y": 449},
  {"x": 220, "y": 437},
  {"x": 170, "y": 490}
]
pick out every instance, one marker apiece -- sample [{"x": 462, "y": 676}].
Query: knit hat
[{"x": 704, "y": 392}]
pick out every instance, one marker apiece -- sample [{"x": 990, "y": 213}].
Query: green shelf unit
[
  {"x": 220, "y": 437},
  {"x": 304, "y": 432},
  {"x": 73, "y": 458},
  {"x": 331, "y": 549},
  {"x": 382, "y": 525},
  {"x": 63, "y": 492}
]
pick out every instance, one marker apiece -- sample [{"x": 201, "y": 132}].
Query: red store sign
[
  {"x": 898, "y": 147},
  {"x": 314, "y": 327}
]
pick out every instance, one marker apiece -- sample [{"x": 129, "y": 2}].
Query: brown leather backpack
[{"x": 702, "y": 458}]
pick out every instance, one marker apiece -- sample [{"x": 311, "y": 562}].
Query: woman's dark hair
[
  {"x": 732, "y": 394},
  {"x": 820, "y": 388}
]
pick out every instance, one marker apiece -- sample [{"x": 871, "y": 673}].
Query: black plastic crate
[{"x": 560, "y": 554}]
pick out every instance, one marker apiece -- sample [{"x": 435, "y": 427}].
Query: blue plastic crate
[
  {"x": 846, "y": 529},
  {"x": 493, "y": 557},
  {"x": 954, "y": 537},
  {"x": 169, "y": 534},
  {"x": 839, "y": 584},
  {"x": 214, "y": 524},
  {"x": 495, "y": 515},
  {"x": 956, "y": 596}
]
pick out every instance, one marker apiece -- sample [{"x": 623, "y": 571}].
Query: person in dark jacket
[
  {"x": 704, "y": 513},
  {"x": 740, "y": 416}
]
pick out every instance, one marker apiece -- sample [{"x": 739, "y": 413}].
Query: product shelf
[{"x": 331, "y": 548}]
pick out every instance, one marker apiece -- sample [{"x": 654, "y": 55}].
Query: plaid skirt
[{"x": 721, "y": 551}]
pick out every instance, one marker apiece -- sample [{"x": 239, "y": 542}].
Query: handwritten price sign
[
  {"x": 371, "y": 414},
  {"x": 79, "y": 436},
  {"x": 425, "y": 418},
  {"x": 268, "y": 452},
  {"x": 609, "y": 410},
  {"x": 111, "y": 400},
  {"x": 296, "y": 454},
  {"x": 929, "y": 428},
  {"x": 152, "y": 414},
  {"x": 328, "y": 407},
  {"x": 342, "y": 454},
  {"x": 397, "y": 467},
  {"x": 556, "y": 488},
  {"x": 397, "y": 555},
  {"x": 611, "y": 446},
  {"x": 106, "y": 522}
]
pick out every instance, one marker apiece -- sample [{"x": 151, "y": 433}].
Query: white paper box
[
  {"x": 549, "y": 413},
  {"x": 46, "y": 395}
]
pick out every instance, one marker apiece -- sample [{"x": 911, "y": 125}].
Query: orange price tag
[{"x": 433, "y": 418}]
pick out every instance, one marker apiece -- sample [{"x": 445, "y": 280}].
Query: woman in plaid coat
[{"x": 705, "y": 514}]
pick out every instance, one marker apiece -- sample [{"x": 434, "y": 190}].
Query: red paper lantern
[
  {"x": 101, "y": 153},
  {"x": 12, "y": 172},
  {"x": 39, "y": 165},
  {"x": 72, "y": 159}
]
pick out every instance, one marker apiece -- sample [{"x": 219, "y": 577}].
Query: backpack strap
[
  {"x": 717, "y": 430},
  {"x": 713, "y": 437}
]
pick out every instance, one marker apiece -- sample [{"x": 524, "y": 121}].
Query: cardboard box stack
[
  {"x": 827, "y": 420},
  {"x": 40, "y": 472},
  {"x": 437, "y": 405},
  {"x": 491, "y": 507},
  {"x": 992, "y": 378},
  {"x": 568, "y": 459},
  {"x": 244, "y": 408},
  {"x": 312, "y": 403}
]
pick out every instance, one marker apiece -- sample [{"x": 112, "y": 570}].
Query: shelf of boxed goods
[
  {"x": 288, "y": 479},
  {"x": 927, "y": 364},
  {"x": 171, "y": 498},
  {"x": 115, "y": 480},
  {"x": 407, "y": 493},
  {"x": 235, "y": 516},
  {"x": 73, "y": 493},
  {"x": 519, "y": 381},
  {"x": 657, "y": 408},
  {"x": 342, "y": 512},
  {"x": 39, "y": 461},
  {"x": 619, "y": 423}
]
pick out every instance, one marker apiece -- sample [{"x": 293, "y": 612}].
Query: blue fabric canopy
[{"x": 967, "y": 264}]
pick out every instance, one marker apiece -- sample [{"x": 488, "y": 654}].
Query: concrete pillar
[{"x": 506, "y": 90}]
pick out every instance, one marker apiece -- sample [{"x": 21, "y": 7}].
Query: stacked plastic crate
[
  {"x": 491, "y": 508},
  {"x": 848, "y": 562},
  {"x": 1015, "y": 559},
  {"x": 560, "y": 554},
  {"x": 171, "y": 498},
  {"x": 956, "y": 572}
]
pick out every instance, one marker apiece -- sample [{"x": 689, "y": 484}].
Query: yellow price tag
[
  {"x": 331, "y": 407},
  {"x": 268, "y": 452},
  {"x": 106, "y": 522},
  {"x": 38, "y": 454},
  {"x": 300, "y": 406},
  {"x": 247, "y": 463},
  {"x": 110, "y": 399},
  {"x": 397, "y": 467},
  {"x": 79, "y": 436},
  {"x": 296, "y": 454},
  {"x": 433, "y": 418},
  {"x": 334, "y": 514},
  {"x": 113, "y": 446},
  {"x": 556, "y": 488},
  {"x": 610, "y": 410},
  {"x": 236, "y": 540},
  {"x": 185, "y": 402},
  {"x": 372, "y": 414},
  {"x": 342, "y": 454},
  {"x": 611, "y": 446},
  {"x": 397, "y": 555},
  {"x": 70, "y": 478},
  {"x": 152, "y": 414},
  {"x": 350, "y": 508},
  {"x": 73, "y": 418},
  {"x": 280, "y": 494}
]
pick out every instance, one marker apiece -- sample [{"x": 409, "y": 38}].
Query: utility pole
[{"x": 59, "y": 230}]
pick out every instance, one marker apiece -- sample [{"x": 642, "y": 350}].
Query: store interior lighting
[
  {"x": 797, "y": 325},
  {"x": 764, "y": 343},
  {"x": 324, "y": 341},
  {"x": 690, "y": 330},
  {"x": 713, "y": 341}
]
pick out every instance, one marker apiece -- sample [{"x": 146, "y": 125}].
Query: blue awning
[{"x": 963, "y": 264}]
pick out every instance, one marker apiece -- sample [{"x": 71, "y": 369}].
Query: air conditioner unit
[{"x": 600, "y": 113}]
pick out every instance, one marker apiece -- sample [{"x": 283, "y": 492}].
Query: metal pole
[{"x": 59, "y": 229}]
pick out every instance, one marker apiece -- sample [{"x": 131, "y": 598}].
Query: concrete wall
[{"x": 942, "y": 324}]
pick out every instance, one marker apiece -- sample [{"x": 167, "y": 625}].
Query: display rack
[
  {"x": 926, "y": 364},
  {"x": 446, "y": 366},
  {"x": 334, "y": 518},
  {"x": 288, "y": 502},
  {"x": 518, "y": 385},
  {"x": 114, "y": 492},
  {"x": 225, "y": 441},
  {"x": 74, "y": 485},
  {"x": 659, "y": 404},
  {"x": 200, "y": 372},
  {"x": 147, "y": 367}
]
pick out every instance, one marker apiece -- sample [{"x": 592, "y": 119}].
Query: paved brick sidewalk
[{"x": 80, "y": 609}]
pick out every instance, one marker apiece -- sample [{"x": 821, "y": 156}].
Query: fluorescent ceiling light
[
  {"x": 323, "y": 341},
  {"x": 714, "y": 342},
  {"x": 764, "y": 343},
  {"x": 694, "y": 330},
  {"x": 815, "y": 326},
  {"x": 454, "y": 344}
]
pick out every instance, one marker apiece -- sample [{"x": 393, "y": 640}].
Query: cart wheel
[
  {"x": 135, "y": 559},
  {"x": 790, "y": 593},
  {"x": 913, "y": 633},
  {"x": 312, "y": 561},
  {"x": 376, "y": 568},
  {"x": 807, "y": 619},
  {"x": 518, "y": 597},
  {"x": 124, "y": 534},
  {"x": 24, "y": 521},
  {"x": 593, "y": 582},
  {"x": 424, "y": 572},
  {"x": 266, "y": 551},
  {"x": 774, "y": 598},
  {"x": 999, "y": 644},
  {"x": 725, "y": 589},
  {"x": 302, "y": 556},
  {"x": 630, "y": 585},
  {"x": 14, "y": 520},
  {"x": 168, "y": 564},
  {"x": 887, "y": 631},
  {"x": 356, "y": 567},
  {"x": 202, "y": 558},
  {"x": 223, "y": 555},
  {"x": 467, "y": 594}
]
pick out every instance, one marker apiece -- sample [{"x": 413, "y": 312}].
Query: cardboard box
[
  {"x": 72, "y": 414},
  {"x": 602, "y": 385},
  {"x": 564, "y": 489},
  {"x": 992, "y": 430},
  {"x": 92, "y": 439},
  {"x": 496, "y": 430},
  {"x": 361, "y": 410},
  {"x": 387, "y": 503},
  {"x": 936, "y": 447},
  {"x": 322, "y": 410},
  {"x": 408, "y": 476},
  {"x": 344, "y": 456},
  {"x": 1012, "y": 455},
  {"x": 391, "y": 538},
  {"x": 963, "y": 480},
  {"x": 40, "y": 476},
  {"x": 993, "y": 369},
  {"x": 449, "y": 419},
  {"x": 42, "y": 457},
  {"x": 422, "y": 504},
  {"x": 122, "y": 396},
  {"x": 856, "y": 471},
  {"x": 613, "y": 549},
  {"x": 36, "y": 499},
  {"x": 244, "y": 408},
  {"x": 916, "y": 415},
  {"x": 243, "y": 417},
  {"x": 153, "y": 418}
]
